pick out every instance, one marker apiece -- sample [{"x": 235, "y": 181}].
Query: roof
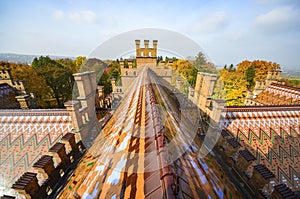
[
  {"x": 278, "y": 94},
  {"x": 26, "y": 135},
  {"x": 135, "y": 156},
  {"x": 272, "y": 136},
  {"x": 7, "y": 97}
]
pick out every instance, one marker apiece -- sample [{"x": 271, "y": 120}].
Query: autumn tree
[
  {"x": 79, "y": 62},
  {"x": 33, "y": 82},
  {"x": 187, "y": 70},
  {"x": 261, "y": 68},
  {"x": 238, "y": 81},
  {"x": 235, "y": 87}
]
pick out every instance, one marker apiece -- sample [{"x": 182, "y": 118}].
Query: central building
[{"x": 131, "y": 68}]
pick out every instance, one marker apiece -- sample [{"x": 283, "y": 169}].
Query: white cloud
[
  {"x": 215, "y": 22},
  {"x": 58, "y": 14},
  {"x": 281, "y": 19},
  {"x": 80, "y": 16},
  {"x": 83, "y": 16}
]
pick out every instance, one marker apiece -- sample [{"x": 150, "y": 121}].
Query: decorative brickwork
[{"x": 271, "y": 133}]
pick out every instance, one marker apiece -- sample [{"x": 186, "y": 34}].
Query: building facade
[{"x": 145, "y": 57}]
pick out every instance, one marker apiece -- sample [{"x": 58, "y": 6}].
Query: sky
[{"x": 227, "y": 31}]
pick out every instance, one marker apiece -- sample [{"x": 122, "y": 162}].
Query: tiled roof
[
  {"x": 277, "y": 94},
  {"x": 272, "y": 135},
  {"x": 130, "y": 158},
  {"x": 26, "y": 135}
]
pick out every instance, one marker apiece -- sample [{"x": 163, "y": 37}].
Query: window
[
  {"x": 134, "y": 73},
  {"x": 126, "y": 73},
  {"x": 142, "y": 54}
]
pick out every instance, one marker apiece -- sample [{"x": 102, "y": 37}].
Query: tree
[
  {"x": 250, "y": 75},
  {"x": 33, "y": 82},
  {"x": 105, "y": 81},
  {"x": 261, "y": 68},
  {"x": 203, "y": 65},
  {"x": 79, "y": 62},
  {"x": 58, "y": 77},
  {"x": 231, "y": 68},
  {"x": 187, "y": 70},
  {"x": 200, "y": 61}
]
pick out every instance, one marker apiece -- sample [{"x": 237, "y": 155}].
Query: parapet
[{"x": 28, "y": 184}]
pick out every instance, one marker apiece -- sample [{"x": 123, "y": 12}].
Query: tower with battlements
[{"x": 146, "y": 56}]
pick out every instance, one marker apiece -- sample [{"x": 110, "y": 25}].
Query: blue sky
[{"x": 228, "y": 31}]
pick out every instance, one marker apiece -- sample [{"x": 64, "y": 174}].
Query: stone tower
[{"x": 146, "y": 55}]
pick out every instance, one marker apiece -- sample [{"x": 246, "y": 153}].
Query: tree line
[
  {"x": 237, "y": 81},
  {"x": 52, "y": 81}
]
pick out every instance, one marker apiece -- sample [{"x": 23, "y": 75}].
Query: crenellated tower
[{"x": 146, "y": 55}]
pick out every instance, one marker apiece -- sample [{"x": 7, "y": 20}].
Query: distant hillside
[{"x": 24, "y": 59}]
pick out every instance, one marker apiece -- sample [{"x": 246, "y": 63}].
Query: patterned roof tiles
[
  {"x": 273, "y": 135},
  {"x": 279, "y": 94},
  {"x": 26, "y": 135}
]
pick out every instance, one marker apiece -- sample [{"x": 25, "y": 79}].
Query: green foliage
[
  {"x": 169, "y": 59},
  {"x": 219, "y": 91},
  {"x": 292, "y": 82},
  {"x": 202, "y": 65},
  {"x": 58, "y": 76},
  {"x": 231, "y": 68},
  {"x": 250, "y": 75},
  {"x": 159, "y": 59},
  {"x": 112, "y": 71}
]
